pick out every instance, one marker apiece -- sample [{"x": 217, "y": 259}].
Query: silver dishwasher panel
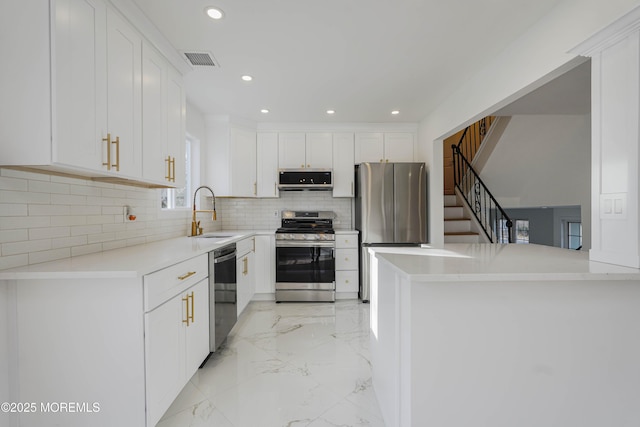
[{"x": 223, "y": 289}]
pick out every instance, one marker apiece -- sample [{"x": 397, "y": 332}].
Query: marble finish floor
[{"x": 289, "y": 364}]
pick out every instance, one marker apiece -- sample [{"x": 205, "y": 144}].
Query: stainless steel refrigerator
[{"x": 390, "y": 209}]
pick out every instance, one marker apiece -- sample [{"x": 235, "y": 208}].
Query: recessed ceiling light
[
  {"x": 264, "y": 111},
  {"x": 331, "y": 112},
  {"x": 214, "y": 12},
  {"x": 247, "y": 78},
  {"x": 395, "y": 112}
]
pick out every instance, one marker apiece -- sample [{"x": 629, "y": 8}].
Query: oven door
[{"x": 305, "y": 265}]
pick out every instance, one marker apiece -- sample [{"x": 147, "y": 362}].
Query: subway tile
[
  {"x": 7, "y": 236},
  {"x": 50, "y": 255},
  {"x": 113, "y": 193},
  {"x": 101, "y": 237},
  {"x": 84, "y": 190},
  {"x": 48, "y": 232},
  {"x": 52, "y": 210},
  {"x": 112, "y": 228},
  {"x": 115, "y": 244},
  {"x": 26, "y": 247},
  {"x": 70, "y": 180},
  {"x": 13, "y": 261},
  {"x": 68, "y": 220},
  {"x": 67, "y": 242},
  {"x": 68, "y": 199},
  {"x": 112, "y": 210},
  {"x": 85, "y": 229},
  {"x": 13, "y": 184},
  {"x": 18, "y": 222},
  {"x": 87, "y": 210},
  {"x": 24, "y": 197},
  {"x": 13, "y": 209},
  {"x": 48, "y": 187},
  {"x": 100, "y": 219}
]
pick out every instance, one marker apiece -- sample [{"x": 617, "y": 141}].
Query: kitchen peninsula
[{"x": 504, "y": 335}]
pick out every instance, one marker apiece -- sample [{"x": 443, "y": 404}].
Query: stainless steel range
[{"x": 305, "y": 257}]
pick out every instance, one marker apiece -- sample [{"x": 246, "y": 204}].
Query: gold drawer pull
[
  {"x": 185, "y": 300},
  {"x": 189, "y": 274}
]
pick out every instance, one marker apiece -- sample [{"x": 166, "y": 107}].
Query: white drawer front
[
  {"x": 346, "y": 259},
  {"x": 347, "y": 240},
  {"x": 347, "y": 281},
  {"x": 245, "y": 246},
  {"x": 164, "y": 284}
]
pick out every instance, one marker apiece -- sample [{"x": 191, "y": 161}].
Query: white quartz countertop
[
  {"x": 133, "y": 261},
  {"x": 488, "y": 262}
]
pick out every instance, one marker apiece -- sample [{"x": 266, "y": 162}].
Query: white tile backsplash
[{"x": 47, "y": 217}]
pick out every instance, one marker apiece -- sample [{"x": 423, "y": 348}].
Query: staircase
[
  {"x": 457, "y": 227},
  {"x": 471, "y": 192}
]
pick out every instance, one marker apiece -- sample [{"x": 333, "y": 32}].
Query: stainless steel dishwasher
[{"x": 223, "y": 288}]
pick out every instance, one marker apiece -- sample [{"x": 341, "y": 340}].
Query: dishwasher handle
[{"x": 225, "y": 257}]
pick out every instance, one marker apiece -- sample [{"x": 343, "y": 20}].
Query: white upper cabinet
[
  {"x": 319, "y": 150},
  {"x": 163, "y": 120},
  {"x": 297, "y": 150},
  {"x": 343, "y": 165},
  {"x": 124, "y": 97},
  {"x": 243, "y": 162},
  {"x": 384, "y": 147},
  {"x": 79, "y": 109},
  {"x": 291, "y": 150},
  {"x": 399, "y": 147},
  {"x": 80, "y": 61},
  {"x": 369, "y": 147},
  {"x": 267, "y": 164}
]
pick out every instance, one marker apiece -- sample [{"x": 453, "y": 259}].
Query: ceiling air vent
[{"x": 201, "y": 59}]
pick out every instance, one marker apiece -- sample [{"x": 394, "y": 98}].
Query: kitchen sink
[{"x": 215, "y": 236}]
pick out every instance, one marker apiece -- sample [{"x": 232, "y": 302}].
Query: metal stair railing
[{"x": 494, "y": 221}]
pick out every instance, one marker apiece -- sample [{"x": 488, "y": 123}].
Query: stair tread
[
  {"x": 457, "y": 219},
  {"x": 460, "y": 233}
]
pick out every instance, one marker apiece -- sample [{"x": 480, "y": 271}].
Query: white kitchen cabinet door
[
  {"x": 343, "y": 165},
  {"x": 243, "y": 162},
  {"x": 124, "y": 95},
  {"x": 319, "y": 150},
  {"x": 369, "y": 147},
  {"x": 197, "y": 332},
  {"x": 154, "y": 113},
  {"x": 267, "y": 164},
  {"x": 80, "y": 61},
  {"x": 265, "y": 264},
  {"x": 176, "y": 127},
  {"x": 291, "y": 150},
  {"x": 245, "y": 276},
  {"x": 164, "y": 356},
  {"x": 398, "y": 147}
]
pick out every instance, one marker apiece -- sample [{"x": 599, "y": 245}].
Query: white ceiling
[{"x": 362, "y": 58}]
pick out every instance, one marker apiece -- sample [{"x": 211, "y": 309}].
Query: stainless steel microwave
[{"x": 305, "y": 179}]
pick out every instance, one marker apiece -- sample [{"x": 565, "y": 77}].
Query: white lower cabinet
[
  {"x": 245, "y": 272},
  {"x": 265, "y": 267},
  {"x": 347, "y": 273},
  {"x": 176, "y": 331}
]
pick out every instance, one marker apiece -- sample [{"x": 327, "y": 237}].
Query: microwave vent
[{"x": 201, "y": 59}]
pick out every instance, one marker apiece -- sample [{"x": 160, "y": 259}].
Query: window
[
  {"x": 522, "y": 231},
  {"x": 176, "y": 198},
  {"x": 574, "y": 235}
]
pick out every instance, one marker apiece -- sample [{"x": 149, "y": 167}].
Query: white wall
[
  {"x": 4, "y": 345},
  {"x": 530, "y": 61},
  {"x": 543, "y": 161}
]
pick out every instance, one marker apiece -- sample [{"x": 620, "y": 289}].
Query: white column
[{"x": 615, "y": 153}]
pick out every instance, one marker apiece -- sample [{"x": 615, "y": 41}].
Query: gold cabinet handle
[
  {"x": 346, "y": 281},
  {"x": 245, "y": 266},
  {"x": 173, "y": 170},
  {"x": 381, "y": 160},
  {"x": 255, "y": 188},
  {"x": 189, "y": 274},
  {"x": 185, "y": 299},
  {"x": 253, "y": 240},
  {"x": 275, "y": 188},
  {"x": 308, "y": 166},
  {"x": 190, "y": 317},
  {"x": 302, "y": 165},
  {"x": 117, "y": 142},
  {"x": 108, "y": 141},
  {"x": 168, "y": 175}
]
